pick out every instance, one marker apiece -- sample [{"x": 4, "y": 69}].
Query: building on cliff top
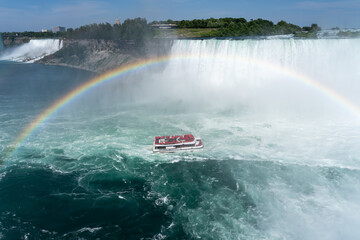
[{"x": 58, "y": 29}]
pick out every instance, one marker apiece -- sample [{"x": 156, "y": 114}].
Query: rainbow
[{"x": 118, "y": 72}]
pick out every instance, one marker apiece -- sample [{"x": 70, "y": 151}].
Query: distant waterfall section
[{"x": 31, "y": 51}]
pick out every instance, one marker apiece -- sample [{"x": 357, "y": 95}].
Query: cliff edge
[{"x": 103, "y": 55}]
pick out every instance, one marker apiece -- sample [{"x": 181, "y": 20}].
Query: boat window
[{"x": 160, "y": 147}]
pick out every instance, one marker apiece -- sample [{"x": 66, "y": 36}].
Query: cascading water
[
  {"x": 268, "y": 74},
  {"x": 281, "y": 156},
  {"x": 32, "y": 51}
]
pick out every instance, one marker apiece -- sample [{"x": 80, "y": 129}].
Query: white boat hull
[
  {"x": 178, "y": 147},
  {"x": 171, "y": 150}
]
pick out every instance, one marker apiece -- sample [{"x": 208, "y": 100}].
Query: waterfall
[
  {"x": 291, "y": 74},
  {"x": 32, "y": 51}
]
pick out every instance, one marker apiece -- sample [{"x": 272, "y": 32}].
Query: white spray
[{"x": 214, "y": 75}]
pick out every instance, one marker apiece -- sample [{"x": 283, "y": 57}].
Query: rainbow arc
[{"x": 118, "y": 72}]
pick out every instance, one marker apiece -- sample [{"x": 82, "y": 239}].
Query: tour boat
[{"x": 176, "y": 143}]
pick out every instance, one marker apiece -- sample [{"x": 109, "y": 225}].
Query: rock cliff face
[
  {"x": 102, "y": 55},
  {"x": 11, "y": 42}
]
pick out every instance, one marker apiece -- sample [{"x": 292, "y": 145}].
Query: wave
[{"x": 32, "y": 51}]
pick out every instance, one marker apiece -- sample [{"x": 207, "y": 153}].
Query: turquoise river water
[{"x": 281, "y": 157}]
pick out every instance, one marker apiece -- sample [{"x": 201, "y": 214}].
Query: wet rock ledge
[{"x": 103, "y": 55}]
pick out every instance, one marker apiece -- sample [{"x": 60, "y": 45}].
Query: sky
[{"x": 35, "y": 15}]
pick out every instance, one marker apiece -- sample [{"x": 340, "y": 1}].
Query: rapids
[{"x": 280, "y": 159}]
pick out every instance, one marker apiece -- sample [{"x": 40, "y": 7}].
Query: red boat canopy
[{"x": 174, "y": 139}]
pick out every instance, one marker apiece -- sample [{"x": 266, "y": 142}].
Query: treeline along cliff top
[
  {"x": 236, "y": 27},
  {"x": 138, "y": 30}
]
